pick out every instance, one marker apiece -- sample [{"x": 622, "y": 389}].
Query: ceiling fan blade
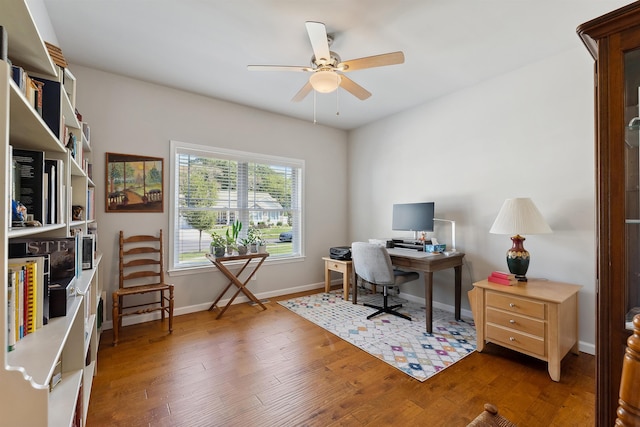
[
  {"x": 354, "y": 88},
  {"x": 302, "y": 93},
  {"x": 277, "y": 68},
  {"x": 318, "y": 37},
  {"x": 372, "y": 61}
]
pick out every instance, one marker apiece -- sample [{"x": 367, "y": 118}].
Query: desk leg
[
  {"x": 428, "y": 297},
  {"x": 346, "y": 279},
  {"x": 354, "y": 289},
  {"x": 458, "y": 273},
  {"x": 327, "y": 278}
]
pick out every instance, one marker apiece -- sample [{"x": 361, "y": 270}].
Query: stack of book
[{"x": 502, "y": 278}]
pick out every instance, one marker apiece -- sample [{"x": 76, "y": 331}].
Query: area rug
[{"x": 403, "y": 344}]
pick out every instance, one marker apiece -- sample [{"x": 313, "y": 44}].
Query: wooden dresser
[{"x": 538, "y": 318}]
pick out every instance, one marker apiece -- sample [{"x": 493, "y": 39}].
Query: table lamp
[{"x": 516, "y": 217}]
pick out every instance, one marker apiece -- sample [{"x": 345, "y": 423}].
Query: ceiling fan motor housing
[{"x": 333, "y": 61}]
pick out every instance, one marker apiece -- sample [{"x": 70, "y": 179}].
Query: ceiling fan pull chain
[
  {"x": 314, "y": 107},
  {"x": 338, "y": 102}
]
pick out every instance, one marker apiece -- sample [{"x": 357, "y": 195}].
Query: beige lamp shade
[{"x": 519, "y": 216}]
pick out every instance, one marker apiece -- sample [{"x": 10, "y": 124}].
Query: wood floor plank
[{"x": 273, "y": 368}]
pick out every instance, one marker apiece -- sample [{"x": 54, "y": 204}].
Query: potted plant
[
  {"x": 253, "y": 235},
  {"x": 243, "y": 246},
  {"x": 261, "y": 244},
  {"x": 232, "y": 237},
  {"x": 218, "y": 244}
]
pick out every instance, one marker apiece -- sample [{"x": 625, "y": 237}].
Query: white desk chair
[{"x": 371, "y": 263}]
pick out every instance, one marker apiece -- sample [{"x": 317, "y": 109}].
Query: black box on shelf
[
  {"x": 59, "y": 293},
  {"x": 88, "y": 251}
]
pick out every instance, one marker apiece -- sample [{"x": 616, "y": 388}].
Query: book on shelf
[
  {"x": 11, "y": 309},
  {"x": 19, "y": 77},
  {"x": 91, "y": 203},
  {"x": 51, "y": 105},
  {"x": 27, "y": 298},
  {"x": 29, "y": 181},
  {"x": 45, "y": 190},
  {"x": 502, "y": 278},
  {"x": 39, "y": 93},
  {"x": 31, "y": 88},
  {"x": 54, "y": 169},
  {"x": 43, "y": 280},
  {"x": 56, "y": 55}
]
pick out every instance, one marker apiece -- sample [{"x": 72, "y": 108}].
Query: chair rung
[
  {"x": 143, "y": 289},
  {"x": 146, "y": 310}
]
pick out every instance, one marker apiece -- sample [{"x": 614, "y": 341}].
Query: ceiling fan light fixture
[{"x": 325, "y": 81}]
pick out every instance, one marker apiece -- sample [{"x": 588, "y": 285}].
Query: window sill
[{"x": 197, "y": 269}]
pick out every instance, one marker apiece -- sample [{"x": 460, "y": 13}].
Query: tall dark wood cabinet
[{"x": 614, "y": 42}]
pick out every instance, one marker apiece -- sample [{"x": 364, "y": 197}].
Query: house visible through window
[{"x": 214, "y": 187}]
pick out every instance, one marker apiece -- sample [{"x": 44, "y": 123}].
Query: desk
[
  {"x": 428, "y": 264},
  {"x": 342, "y": 266},
  {"x": 234, "y": 278}
]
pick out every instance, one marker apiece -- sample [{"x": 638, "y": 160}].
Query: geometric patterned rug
[{"x": 401, "y": 343}]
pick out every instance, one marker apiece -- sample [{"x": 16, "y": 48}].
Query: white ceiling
[{"x": 205, "y": 46}]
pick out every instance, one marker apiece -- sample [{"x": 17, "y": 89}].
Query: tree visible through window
[{"x": 214, "y": 187}]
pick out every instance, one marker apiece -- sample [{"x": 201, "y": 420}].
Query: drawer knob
[
  {"x": 512, "y": 339},
  {"x": 512, "y": 321},
  {"x": 511, "y": 305}
]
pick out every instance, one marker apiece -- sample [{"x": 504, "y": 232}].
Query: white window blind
[{"x": 214, "y": 187}]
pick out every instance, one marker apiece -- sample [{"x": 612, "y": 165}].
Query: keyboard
[{"x": 411, "y": 253}]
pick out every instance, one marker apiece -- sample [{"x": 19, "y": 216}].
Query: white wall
[
  {"x": 525, "y": 134},
  {"x": 134, "y": 117},
  {"x": 528, "y": 133}
]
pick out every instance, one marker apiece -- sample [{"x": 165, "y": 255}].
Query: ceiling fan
[{"x": 328, "y": 69}]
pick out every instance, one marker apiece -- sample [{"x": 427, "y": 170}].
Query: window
[{"x": 213, "y": 187}]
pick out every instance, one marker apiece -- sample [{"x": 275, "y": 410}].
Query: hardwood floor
[{"x": 274, "y": 368}]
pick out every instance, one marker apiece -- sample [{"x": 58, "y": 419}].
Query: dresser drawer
[
  {"x": 516, "y": 304},
  {"x": 516, "y": 340},
  {"x": 516, "y": 322}
]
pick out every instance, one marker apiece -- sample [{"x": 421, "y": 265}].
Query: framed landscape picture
[{"x": 134, "y": 183}]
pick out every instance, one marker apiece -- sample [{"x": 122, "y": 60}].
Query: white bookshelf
[{"x": 26, "y": 372}]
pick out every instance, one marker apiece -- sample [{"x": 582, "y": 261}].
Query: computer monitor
[{"x": 414, "y": 217}]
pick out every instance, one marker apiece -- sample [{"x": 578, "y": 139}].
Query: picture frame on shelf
[{"x": 134, "y": 183}]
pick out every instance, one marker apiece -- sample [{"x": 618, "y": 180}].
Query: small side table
[
  {"x": 341, "y": 266},
  {"x": 234, "y": 278},
  {"x": 538, "y": 318}
]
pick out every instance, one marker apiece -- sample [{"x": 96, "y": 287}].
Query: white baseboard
[
  {"x": 584, "y": 347},
  {"x": 147, "y": 317}
]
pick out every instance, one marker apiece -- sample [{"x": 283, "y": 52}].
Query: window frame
[{"x": 178, "y": 147}]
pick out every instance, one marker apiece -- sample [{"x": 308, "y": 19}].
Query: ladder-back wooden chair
[{"x": 141, "y": 272}]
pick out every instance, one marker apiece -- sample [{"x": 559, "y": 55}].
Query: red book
[
  {"x": 503, "y": 275},
  {"x": 502, "y": 280}
]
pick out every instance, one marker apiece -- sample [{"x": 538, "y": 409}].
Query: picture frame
[{"x": 134, "y": 183}]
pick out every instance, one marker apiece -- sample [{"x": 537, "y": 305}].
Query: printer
[{"x": 342, "y": 253}]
